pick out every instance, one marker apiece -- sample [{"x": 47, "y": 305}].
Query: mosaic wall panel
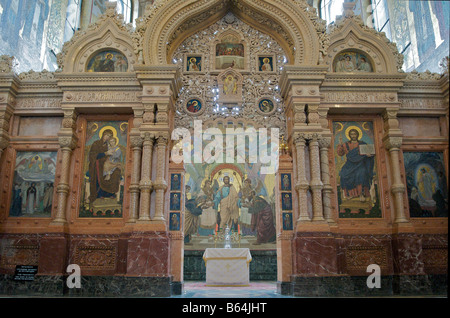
[
  {"x": 355, "y": 170},
  {"x": 104, "y": 169}
]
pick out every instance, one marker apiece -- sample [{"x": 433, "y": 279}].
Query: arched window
[
  {"x": 124, "y": 7},
  {"x": 330, "y": 9},
  {"x": 72, "y": 18}
]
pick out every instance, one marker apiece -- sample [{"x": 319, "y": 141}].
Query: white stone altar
[{"x": 227, "y": 266}]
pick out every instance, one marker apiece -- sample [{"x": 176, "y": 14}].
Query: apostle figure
[
  {"x": 48, "y": 197},
  {"x": 357, "y": 173},
  {"x": 191, "y": 216},
  {"x": 16, "y": 206},
  {"x": 262, "y": 219},
  {"x": 205, "y": 198},
  {"x": 266, "y": 67},
  {"x": 193, "y": 65},
  {"x": 244, "y": 201},
  {"x": 121, "y": 64},
  {"x": 227, "y": 198},
  {"x": 345, "y": 65},
  {"x": 31, "y": 198},
  {"x": 107, "y": 64},
  {"x": 364, "y": 66}
]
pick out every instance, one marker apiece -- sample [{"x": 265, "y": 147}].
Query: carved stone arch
[
  {"x": 108, "y": 33},
  {"x": 294, "y": 24},
  {"x": 351, "y": 35}
]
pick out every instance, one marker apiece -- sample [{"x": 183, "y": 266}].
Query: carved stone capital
[
  {"x": 302, "y": 186},
  {"x": 62, "y": 188},
  {"x": 392, "y": 142},
  {"x": 4, "y": 141},
  {"x": 299, "y": 139},
  {"x": 313, "y": 137},
  {"x": 162, "y": 138},
  {"x": 145, "y": 184},
  {"x": 324, "y": 142},
  {"x": 147, "y": 137},
  {"x": 160, "y": 184},
  {"x": 67, "y": 141},
  {"x": 136, "y": 141}
]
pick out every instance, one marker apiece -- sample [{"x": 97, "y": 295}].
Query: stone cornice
[
  {"x": 301, "y": 75},
  {"x": 96, "y": 80},
  {"x": 353, "y": 81},
  {"x": 160, "y": 75}
]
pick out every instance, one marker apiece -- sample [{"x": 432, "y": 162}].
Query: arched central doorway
[
  {"x": 230, "y": 60},
  {"x": 230, "y": 47}
]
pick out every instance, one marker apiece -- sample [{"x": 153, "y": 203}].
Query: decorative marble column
[
  {"x": 145, "y": 185},
  {"x": 316, "y": 182},
  {"x": 67, "y": 141},
  {"x": 5, "y": 116},
  {"x": 392, "y": 142},
  {"x": 136, "y": 145},
  {"x": 7, "y": 97},
  {"x": 324, "y": 144},
  {"x": 160, "y": 184},
  {"x": 302, "y": 184}
]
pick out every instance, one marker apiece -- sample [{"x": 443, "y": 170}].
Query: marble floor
[{"x": 263, "y": 289}]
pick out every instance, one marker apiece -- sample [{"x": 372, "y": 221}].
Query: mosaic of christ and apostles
[{"x": 235, "y": 194}]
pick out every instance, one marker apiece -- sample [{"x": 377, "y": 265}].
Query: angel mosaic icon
[
  {"x": 194, "y": 63},
  {"x": 104, "y": 169},
  {"x": 426, "y": 184},
  {"x": 33, "y": 191},
  {"x": 108, "y": 61},
  {"x": 194, "y": 106},
  {"x": 230, "y": 85},
  {"x": 356, "y": 169},
  {"x": 266, "y": 106},
  {"x": 352, "y": 62}
]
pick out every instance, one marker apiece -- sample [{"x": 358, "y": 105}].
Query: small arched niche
[{"x": 229, "y": 50}]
